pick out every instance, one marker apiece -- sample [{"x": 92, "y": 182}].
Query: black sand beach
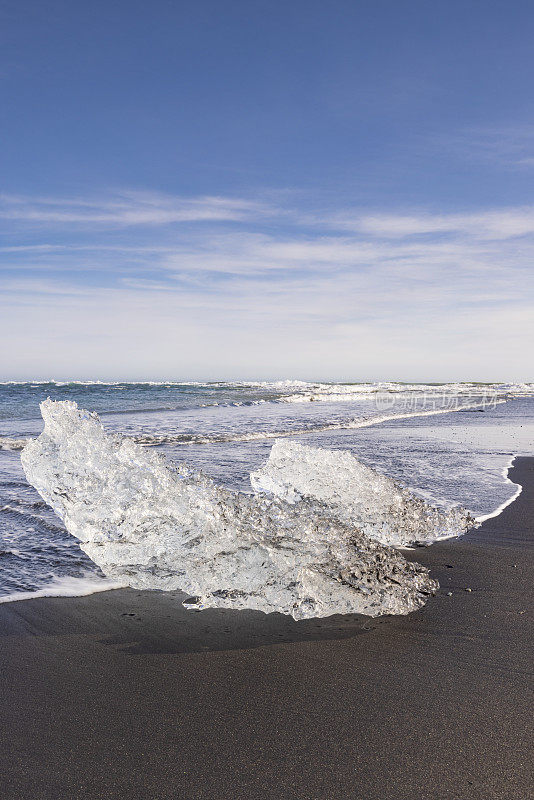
[{"x": 127, "y": 695}]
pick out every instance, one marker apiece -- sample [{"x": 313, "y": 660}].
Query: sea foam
[{"x": 66, "y": 586}]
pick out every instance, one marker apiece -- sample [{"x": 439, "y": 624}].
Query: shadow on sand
[{"x": 156, "y": 622}]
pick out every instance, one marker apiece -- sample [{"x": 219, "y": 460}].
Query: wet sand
[{"x": 125, "y": 694}]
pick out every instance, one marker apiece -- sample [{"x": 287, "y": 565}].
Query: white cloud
[
  {"x": 495, "y": 224},
  {"x": 348, "y": 295},
  {"x": 129, "y": 209},
  {"x": 337, "y": 332}
]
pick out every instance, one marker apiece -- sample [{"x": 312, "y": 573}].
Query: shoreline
[
  {"x": 124, "y": 693},
  {"x": 59, "y": 587},
  {"x": 498, "y": 511}
]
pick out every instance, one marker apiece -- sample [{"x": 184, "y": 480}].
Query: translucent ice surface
[
  {"x": 154, "y": 525},
  {"x": 355, "y": 494}
]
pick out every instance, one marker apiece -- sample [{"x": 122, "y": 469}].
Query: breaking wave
[
  {"x": 153, "y": 525},
  {"x": 252, "y": 436},
  {"x": 295, "y": 387},
  {"x": 155, "y": 440}
]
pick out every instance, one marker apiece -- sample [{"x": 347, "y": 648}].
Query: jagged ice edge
[{"x": 153, "y": 525}]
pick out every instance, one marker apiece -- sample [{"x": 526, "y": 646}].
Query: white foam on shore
[
  {"x": 507, "y": 440},
  {"x": 66, "y": 586},
  {"x": 510, "y": 500}
]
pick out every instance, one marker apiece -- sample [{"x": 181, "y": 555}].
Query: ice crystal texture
[
  {"x": 356, "y": 495},
  {"x": 154, "y": 525}
]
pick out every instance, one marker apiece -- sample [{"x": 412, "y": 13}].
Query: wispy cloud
[
  {"x": 130, "y": 209},
  {"x": 345, "y": 284},
  {"x": 505, "y": 146},
  {"x": 505, "y": 223}
]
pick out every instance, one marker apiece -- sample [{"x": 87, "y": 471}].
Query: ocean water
[{"x": 451, "y": 444}]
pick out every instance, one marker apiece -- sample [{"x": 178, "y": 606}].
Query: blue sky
[{"x": 267, "y": 189}]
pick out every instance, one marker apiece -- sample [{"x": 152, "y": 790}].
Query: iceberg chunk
[
  {"x": 356, "y": 495},
  {"x": 154, "y": 525}
]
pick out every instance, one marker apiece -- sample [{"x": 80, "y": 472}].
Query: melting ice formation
[
  {"x": 355, "y": 494},
  {"x": 156, "y": 525}
]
